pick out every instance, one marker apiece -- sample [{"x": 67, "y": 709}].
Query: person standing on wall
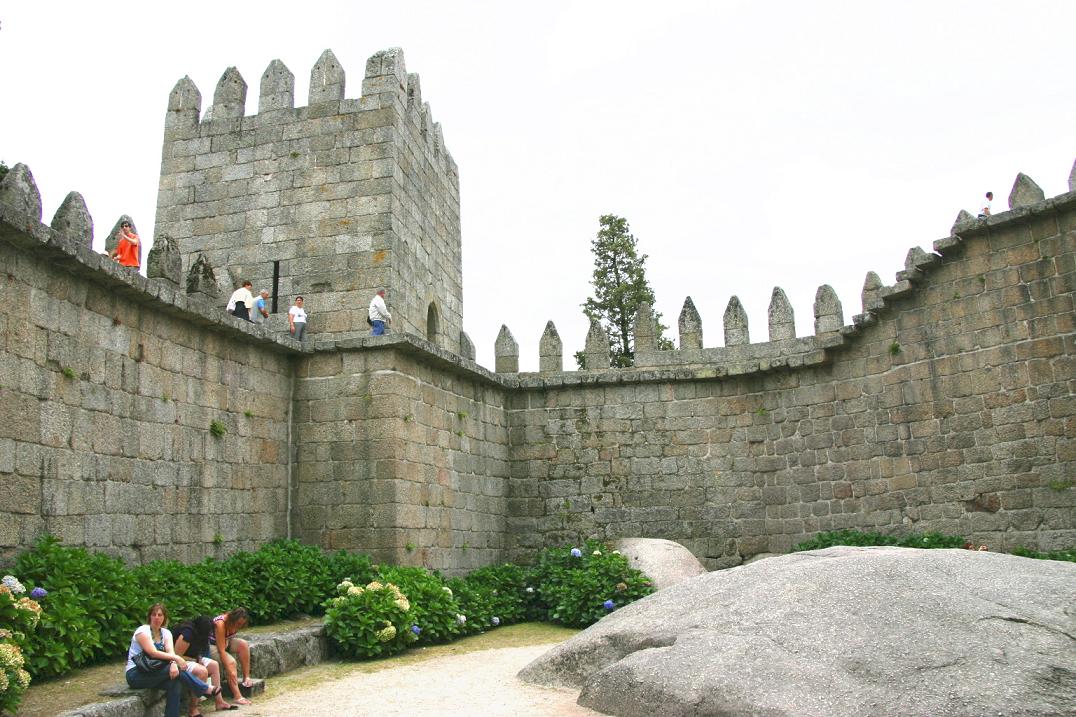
[
  {"x": 127, "y": 247},
  {"x": 241, "y": 302},
  {"x": 297, "y": 319},
  {"x": 261, "y": 309},
  {"x": 379, "y": 315}
]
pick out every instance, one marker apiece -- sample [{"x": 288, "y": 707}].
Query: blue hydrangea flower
[
  {"x": 495, "y": 620},
  {"x": 38, "y": 593},
  {"x": 416, "y": 629},
  {"x": 609, "y": 604},
  {"x": 577, "y": 553}
]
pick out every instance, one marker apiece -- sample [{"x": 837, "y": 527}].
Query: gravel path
[{"x": 476, "y": 684}]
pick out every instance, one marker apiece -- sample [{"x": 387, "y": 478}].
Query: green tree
[
  {"x": 620, "y": 285},
  {"x": 3, "y": 170}
]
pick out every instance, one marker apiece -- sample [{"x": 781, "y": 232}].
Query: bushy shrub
[
  {"x": 511, "y": 593},
  {"x": 343, "y": 565},
  {"x": 206, "y": 588},
  {"x": 581, "y": 585},
  {"x": 19, "y": 615},
  {"x": 859, "y": 538},
  {"x": 434, "y": 608},
  {"x": 372, "y": 620},
  {"x": 476, "y": 606},
  {"x": 1066, "y": 555},
  {"x": 93, "y": 599},
  {"x": 285, "y": 578}
]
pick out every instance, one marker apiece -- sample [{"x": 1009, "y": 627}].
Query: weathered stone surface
[
  {"x": 665, "y": 562},
  {"x": 185, "y": 97},
  {"x": 782, "y": 321},
  {"x": 828, "y": 313},
  {"x": 735, "y": 320},
  {"x": 690, "y": 325},
  {"x": 274, "y": 653},
  {"x": 596, "y": 347},
  {"x": 1072, "y": 178},
  {"x": 73, "y": 219},
  {"x": 201, "y": 279},
  {"x": 229, "y": 97},
  {"x": 836, "y": 632},
  {"x": 113, "y": 237},
  {"x": 962, "y": 217},
  {"x": 277, "y": 88},
  {"x": 1025, "y": 192},
  {"x": 467, "y": 350},
  {"x": 327, "y": 79},
  {"x": 20, "y": 191},
  {"x": 164, "y": 261},
  {"x": 506, "y": 352},
  {"x": 645, "y": 331},
  {"x": 871, "y": 296},
  {"x": 550, "y": 350}
]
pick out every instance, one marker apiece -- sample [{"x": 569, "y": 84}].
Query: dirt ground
[{"x": 474, "y": 677}]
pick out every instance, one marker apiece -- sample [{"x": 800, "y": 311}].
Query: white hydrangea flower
[
  {"x": 355, "y": 590},
  {"x": 12, "y": 584},
  {"x": 447, "y": 590},
  {"x": 461, "y": 619},
  {"x": 596, "y": 552}
]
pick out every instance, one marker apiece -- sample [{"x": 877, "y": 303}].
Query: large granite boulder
[
  {"x": 663, "y": 561},
  {"x": 840, "y": 631}
]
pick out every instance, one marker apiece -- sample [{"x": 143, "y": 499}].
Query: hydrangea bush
[
  {"x": 372, "y": 620},
  {"x": 433, "y": 604},
  {"x": 19, "y": 615},
  {"x": 579, "y": 586}
]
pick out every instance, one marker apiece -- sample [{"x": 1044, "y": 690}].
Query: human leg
[
  {"x": 378, "y": 328},
  {"x": 300, "y": 329},
  {"x": 160, "y": 680},
  {"x": 214, "y": 674},
  {"x": 242, "y": 648}
]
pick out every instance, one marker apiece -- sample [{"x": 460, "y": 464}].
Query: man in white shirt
[
  {"x": 984, "y": 208},
  {"x": 379, "y": 314}
]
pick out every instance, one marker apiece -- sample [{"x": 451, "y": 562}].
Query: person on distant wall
[
  {"x": 241, "y": 302},
  {"x": 297, "y": 319},
  {"x": 127, "y": 248},
  {"x": 984, "y": 209},
  {"x": 261, "y": 309},
  {"x": 223, "y": 638},
  {"x": 379, "y": 315}
]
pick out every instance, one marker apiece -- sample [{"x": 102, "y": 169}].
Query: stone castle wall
[
  {"x": 947, "y": 404},
  {"x": 109, "y": 383},
  {"x": 335, "y": 199},
  {"x": 402, "y": 451}
]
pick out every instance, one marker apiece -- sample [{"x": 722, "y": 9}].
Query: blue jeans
[
  {"x": 379, "y": 328},
  {"x": 300, "y": 329},
  {"x": 160, "y": 680}
]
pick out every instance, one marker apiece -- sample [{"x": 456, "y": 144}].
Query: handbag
[{"x": 145, "y": 663}]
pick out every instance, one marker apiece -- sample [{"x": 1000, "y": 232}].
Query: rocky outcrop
[
  {"x": 837, "y": 632},
  {"x": 665, "y": 562}
]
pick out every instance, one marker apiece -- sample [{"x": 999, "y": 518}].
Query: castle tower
[{"x": 330, "y": 201}]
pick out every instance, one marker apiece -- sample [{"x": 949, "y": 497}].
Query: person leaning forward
[{"x": 379, "y": 315}]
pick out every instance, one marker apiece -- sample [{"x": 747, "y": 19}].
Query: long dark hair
[{"x": 200, "y": 628}]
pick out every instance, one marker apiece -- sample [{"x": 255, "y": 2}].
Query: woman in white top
[
  {"x": 155, "y": 640},
  {"x": 241, "y": 301},
  {"x": 297, "y": 319}
]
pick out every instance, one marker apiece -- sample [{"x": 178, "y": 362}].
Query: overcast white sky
[{"x": 749, "y": 144}]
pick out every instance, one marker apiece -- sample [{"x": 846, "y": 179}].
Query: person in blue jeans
[
  {"x": 155, "y": 640},
  {"x": 379, "y": 314}
]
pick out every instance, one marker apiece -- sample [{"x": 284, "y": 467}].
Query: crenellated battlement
[
  {"x": 783, "y": 349},
  {"x": 331, "y": 200}
]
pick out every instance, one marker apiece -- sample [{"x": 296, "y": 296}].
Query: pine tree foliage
[{"x": 620, "y": 285}]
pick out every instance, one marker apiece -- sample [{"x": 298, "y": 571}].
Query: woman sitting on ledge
[
  {"x": 223, "y": 638},
  {"x": 192, "y": 643},
  {"x": 155, "y": 641}
]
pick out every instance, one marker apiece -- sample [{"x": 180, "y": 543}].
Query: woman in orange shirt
[{"x": 127, "y": 248}]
